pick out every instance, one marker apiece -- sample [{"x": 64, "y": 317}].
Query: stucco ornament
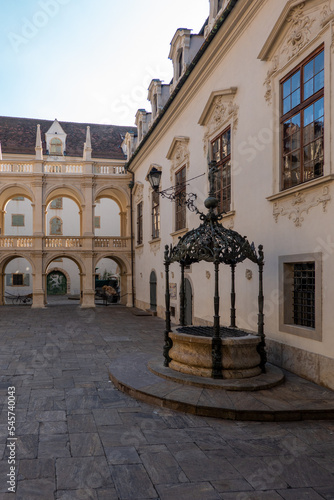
[
  {"x": 138, "y": 192},
  {"x": 269, "y": 80},
  {"x": 155, "y": 247},
  {"x": 179, "y": 155},
  {"x": 301, "y": 204},
  {"x": 326, "y": 15},
  {"x": 300, "y": 31},
  {"x": 249, "y": 274},
  {"x": 222, "y": 114}
]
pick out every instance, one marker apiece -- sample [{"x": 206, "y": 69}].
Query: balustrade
[
  {"x": 111, "y": 242},
  {"x": 15, "y": 168},
  {"x": 62, "y": 242},
  {"x": 60, "y": 168},
  {"x": 109, "y": 169},
  {"x": 16, "y": 242}
]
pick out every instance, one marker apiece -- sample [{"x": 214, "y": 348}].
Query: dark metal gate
[{"x": 56, "y": 283}]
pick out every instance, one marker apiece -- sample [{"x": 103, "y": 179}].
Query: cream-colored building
[
  {"x": 65, "y": 209},
  {"x": 254, "y": 91}
]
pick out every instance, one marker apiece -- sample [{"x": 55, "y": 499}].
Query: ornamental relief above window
[
  {"x": 295, "y": 31},
  {"x": 299, "y": 205},
  {"x": 179, "y": 155},
  {"x": 138, "y": 192},
  {"x": 219, "y": 112}
]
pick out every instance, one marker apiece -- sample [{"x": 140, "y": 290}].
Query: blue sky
[{"x": 85, "y": 60}]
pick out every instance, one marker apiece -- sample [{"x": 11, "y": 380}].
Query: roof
[
  {"x": 220, "y": 22},
  {"x": 18, "y": 136}
]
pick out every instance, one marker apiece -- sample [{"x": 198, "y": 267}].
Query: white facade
[{"x": 236, "y": 86}]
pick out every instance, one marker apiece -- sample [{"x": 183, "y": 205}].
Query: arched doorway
[
  {"x": 56, "y": 283},
  {"x": 63, "y": 280},
  {"x": 153, "y": 291},
  {"x": 188, "y": 302},
  {"x": 18, "y": 281}
]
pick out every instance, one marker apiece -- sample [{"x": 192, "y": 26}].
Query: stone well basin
[{"x": 192, "y": 353}]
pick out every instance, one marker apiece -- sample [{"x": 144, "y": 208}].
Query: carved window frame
[
  {"x": 224, "y": 167},
  {"x": 18, "y": 220},
  {"x": 299, "y": 109},
  {"x": 56, "y": 217},
  {"x": 140, "y": 236},
  {"x": 285, "y": 287},
  {"x": 179, "y": 156},
  {"x": 155, "y": 215},
  {"x": 301, "y": 28},
  {"x": 180, "y": 220}
]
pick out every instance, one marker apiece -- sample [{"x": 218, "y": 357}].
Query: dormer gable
[
  {"x": 158, "y": 95},
  {"x": 142, "y": 121},
  {"x": 217, "y": 7},
  {"x": 184, "y": 47},
  {"x": 55, "y": 139},
  {"x": 129, "y": 144}
]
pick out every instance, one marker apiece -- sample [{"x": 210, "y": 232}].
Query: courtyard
[{"x": 79, "y": 438}]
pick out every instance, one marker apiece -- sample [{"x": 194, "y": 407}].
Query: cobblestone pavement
[{"x": 78, "y": 438}]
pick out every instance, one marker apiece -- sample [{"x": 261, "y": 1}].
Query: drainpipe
[{"x": 131, "y": 186}]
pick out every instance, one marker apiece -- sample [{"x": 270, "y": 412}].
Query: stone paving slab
[
  {"x": 281, "y": 403},
  {"x": 79, "y": 438}
]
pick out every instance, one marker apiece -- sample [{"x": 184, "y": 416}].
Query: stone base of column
[
  {"x": 38, "y": 300},
  {"x": 88, "y": 299}
]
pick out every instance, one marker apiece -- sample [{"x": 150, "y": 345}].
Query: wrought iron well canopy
[{"x": 212, "y": 242}]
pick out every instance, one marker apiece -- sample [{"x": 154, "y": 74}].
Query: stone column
[
  {"x": 87, "y": 278},
  {"x": 38, "y": 276},
  {"x": 123, "y": 223}
]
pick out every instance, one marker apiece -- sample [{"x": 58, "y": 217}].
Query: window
[
  {"x": 56, "y": 226},
  {"x": 18, "y": 220},
  {"x": 57, "y": 203},
  {"x": 97, "y": 222},
  {"x": 221, "y": 153},
  {"x": 56, "y": 147},
  {"x": 155, "y": 215},
  {"x": 303, "y": 294},
  {"x": 302, "y": 93},
  {"x": 300, "y": 309},
  {"x": 17, "y": 279},
  {"x": 180, "y": 63},
  {"x": 18, "y": 198},
  {"x": 180, "y": 193},
  {"x": 155, "y": 104},
  {"x": 140, "y": 223}
]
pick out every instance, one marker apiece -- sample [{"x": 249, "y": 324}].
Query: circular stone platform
[{"x": 273, "y": 377}]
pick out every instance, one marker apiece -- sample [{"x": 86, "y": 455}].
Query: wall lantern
[{"x": 154, "y": 178}]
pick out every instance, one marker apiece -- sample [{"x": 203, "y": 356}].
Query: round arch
[
  {"x": 10, "y": 191},
  {"x": 125, "y": 273},
  {"x": 120, "y": 196},
  {"x": 64, "y": 255},
  {"x": 4, "y": 261},
  {"x": 65, "y": 192},
  {"x": 77, "y": 261}
]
